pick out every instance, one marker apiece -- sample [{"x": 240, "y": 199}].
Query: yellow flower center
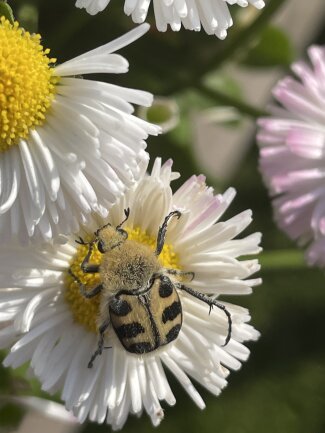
[
  {"x": 27, "y": 83},
  {"x": 85, "y": 311}
]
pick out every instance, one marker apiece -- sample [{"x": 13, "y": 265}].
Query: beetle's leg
[
  {"x": 212, "y": 303},
  {"x": 127, "y": 214},
  {"x": 87, "y": 267},
  {"x": 86, "y": 293},
  {"x": 100, "y": 345},
  {"x": 163, "y": 229},
  {"x": 189, "y": 276},
  {"x": 81, "y": 241}
]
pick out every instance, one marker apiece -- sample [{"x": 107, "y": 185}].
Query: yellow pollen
[
  {"x": 85, "y": 311},
  {"x": 27, "y": 83}
]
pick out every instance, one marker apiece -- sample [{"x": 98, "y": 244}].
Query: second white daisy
[
  {"x": 63, "y": 331},
  {"x": 68, "y": 146},
  {"x": 213, "y": 15}
]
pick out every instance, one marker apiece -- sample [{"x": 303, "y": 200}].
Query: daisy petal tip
[
  {"x": 201, "y": 178},
  {"x": 259, "y": 236},
  {"x": 257, "y": 282},
  {"x": 230, "y": 194},
  {"x": 6, "y": 362},
  {"x": 222, "y": 35},
  {"x": 169, "y": 163},
  {"x": 141, "y": 29},
  {"x": 254, "y": 336},
  {"x": 145, "y": 27},
  {"x": 260, "y": 4}
]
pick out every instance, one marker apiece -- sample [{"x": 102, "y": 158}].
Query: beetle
[{"x": 139, "y": 297}]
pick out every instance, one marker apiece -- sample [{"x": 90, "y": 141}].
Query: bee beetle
[{"x": 139, "y": 298}]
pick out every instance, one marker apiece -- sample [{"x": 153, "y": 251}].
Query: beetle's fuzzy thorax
[{"x": 128, "y": 267}]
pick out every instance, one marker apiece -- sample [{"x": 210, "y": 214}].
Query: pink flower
[{"x": 292, "y": 155}]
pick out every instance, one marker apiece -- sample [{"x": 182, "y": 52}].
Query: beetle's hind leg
[
  {"x": 86, "y": 293},
  {"x": 212, "y": 303},
  {"x": 100, "y": 345}
]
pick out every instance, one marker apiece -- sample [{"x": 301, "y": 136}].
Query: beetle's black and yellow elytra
[
  {"x": 147, "y": 320},
  {"x": 138, "y": 297}
]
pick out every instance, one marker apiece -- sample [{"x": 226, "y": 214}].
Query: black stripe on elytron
[
  {"x": 166, "y": 288},
  {"x": 173, "y": 333},
  {"x": 140, "y": 347},
  {"x": 171, "y": 312},
  {"x": 130, "y": 330},
  {"x": 119, "y": 307}
]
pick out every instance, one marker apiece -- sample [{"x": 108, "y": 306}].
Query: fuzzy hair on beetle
[{"x": 139, "y": 299}]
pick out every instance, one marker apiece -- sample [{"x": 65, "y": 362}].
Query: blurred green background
[{"x": 282, "y": 387}]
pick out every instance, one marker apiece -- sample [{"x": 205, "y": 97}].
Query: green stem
[
  {"x": 226, "y": 99},
  {"x": 282, "y": 259}
]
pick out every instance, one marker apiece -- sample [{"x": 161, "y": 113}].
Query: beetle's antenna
[{"x": 127, "y": 214}]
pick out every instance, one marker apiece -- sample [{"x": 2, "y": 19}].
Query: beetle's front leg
[
  {"x": 86, "y": 293},
  {"x": 88, "y": 268}
]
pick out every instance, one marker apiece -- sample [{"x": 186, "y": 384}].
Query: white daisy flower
[
  {"x": 55, "y": 328},
  {"x": 68, "y": 146},
  {"x": 213, "y": 15}
]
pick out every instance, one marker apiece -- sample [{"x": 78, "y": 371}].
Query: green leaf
[
  {"x": 272, "y": 49},
  {"x": 6, "y": 11}
]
